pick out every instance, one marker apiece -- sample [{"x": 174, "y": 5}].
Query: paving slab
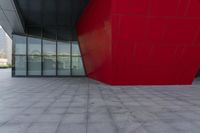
[{"x": 82, "y": 105}]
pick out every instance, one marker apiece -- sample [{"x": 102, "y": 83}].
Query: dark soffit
[{"x": 51, "y": 16}]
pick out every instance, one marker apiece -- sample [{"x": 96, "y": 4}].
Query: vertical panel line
[
  {"x": 27, "y": 61},
  {"x": 56, "y": 52},
  {"x": 71, "y": 57},
  {"x": 42, "y": 58},
  {"x": 13, "y": 57}
]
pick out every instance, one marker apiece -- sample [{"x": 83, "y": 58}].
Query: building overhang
[
  {"x": 51, "y": 17},
  {"x": 10, "y": 18}
]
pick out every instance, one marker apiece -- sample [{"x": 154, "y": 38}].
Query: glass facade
[
  {"x": 64, "y": 58},
  {"x": 20, "y": 55},
  {"x": 49, "y": 58},
  {"x": 34, "y": 56},
  {"x": 76, "y": 60}
]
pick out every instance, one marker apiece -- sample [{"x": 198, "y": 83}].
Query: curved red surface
[{"x": 141, "y": 42}]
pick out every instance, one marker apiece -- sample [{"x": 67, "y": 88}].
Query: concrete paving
[{"x": 81, "y": 105}]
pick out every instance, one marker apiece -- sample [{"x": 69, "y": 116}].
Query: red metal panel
[
  {"x": 164, "y": 7},
  {"x": 94, "y": 35},
  {"x": 193, "y": 8},
  {"x": 141, "y": 42}
]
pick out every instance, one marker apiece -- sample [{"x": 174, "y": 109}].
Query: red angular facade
[{"x": 141, "y": 42}]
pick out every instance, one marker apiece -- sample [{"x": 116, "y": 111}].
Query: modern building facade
[
  {"x": 37, "y": 56},
  {"x": 119, "y": 42}
]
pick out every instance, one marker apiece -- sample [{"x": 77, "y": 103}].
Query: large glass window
[
  {"x": 34, "y": 65},
  {"x": 77, "y": 64},
  {"x": 20, "y": 55},
  {"x": 34, "y": 56},
  {"x": 34, "y": 46},
  {"x": 75, "y": 49},
  {"x": 49, "y": 47},
  {"x": 63, "y": 55},
  {"x": 49, "y": 58},
  {"x": 20, "y": 65},
  {"x": 64, "y": 48},
  {"x": 49, "y": 65},
  {"x": 64, "y": 65},
  {"x": 20, "y": 45}
]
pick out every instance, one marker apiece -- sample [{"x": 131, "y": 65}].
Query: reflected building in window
[{"x": 38, "y": 56}]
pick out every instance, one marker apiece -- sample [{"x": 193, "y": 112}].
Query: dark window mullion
[
  {"x": 71, "y": 58},
  {"x": 13, "y": 56},
  {"x": 56, "y": 53},
  {"x": 27, "y": 61},
  {"x": 42, "y": 56}
]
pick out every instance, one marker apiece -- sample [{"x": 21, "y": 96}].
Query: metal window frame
[{"x": 42, "y": 57}]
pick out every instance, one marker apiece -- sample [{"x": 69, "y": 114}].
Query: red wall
[
  {"x": 94, "y": 35},
  {"x": 141, "y": 42}
]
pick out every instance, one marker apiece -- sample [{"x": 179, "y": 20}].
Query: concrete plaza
[{"x": 81, "y": 105}]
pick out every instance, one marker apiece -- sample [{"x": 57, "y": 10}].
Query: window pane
[
  {"x": 49, "y": 65},
  {"x": 34, "y": 65},
  {"x": 20, "y": 44},
  {"x": 49, "y": 47},
  {"x": 64, "y": 65},
  {"x": 20, "y": 65},
  {"x": 63, "y": 48},
  {"x": 34, "y": 46},
  {"x": 77, "y": 66},
  {"x": 75, "y": 48}
]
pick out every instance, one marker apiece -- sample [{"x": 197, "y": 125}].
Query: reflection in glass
[
  {"x": 49, "y": 47},
  {"x": 34, "y": 65},
  {"x": 64, "y": 65},
  {"x": 20, "y": 44},
  {"x": 45, "y": 58},
  {"x": 20, "y": 65},
  {"x": 49, "y": 65},
  {"x": 75, "y": 48},
  {"x": 77, "y": 66},
  {"x": 63, "y": 48},
  {"x": 34, "y": 46}
]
